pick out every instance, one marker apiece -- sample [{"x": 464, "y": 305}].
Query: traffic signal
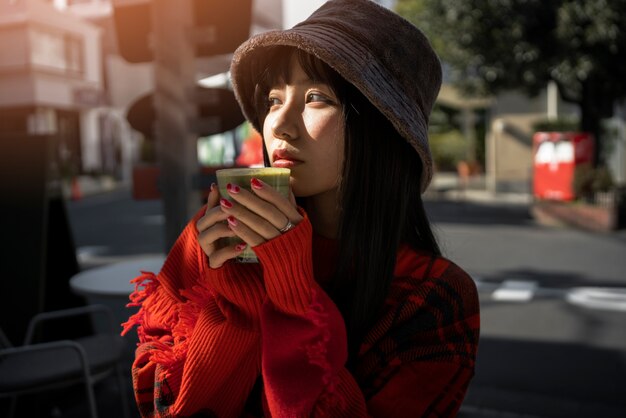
[
  {"x": 133, "y": 28},
  {"x": 219, "y": 27}
]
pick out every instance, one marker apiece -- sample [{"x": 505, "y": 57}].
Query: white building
[{"x": 50, "y": 73}]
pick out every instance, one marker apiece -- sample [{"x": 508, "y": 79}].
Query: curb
[{"x": 561, "y": 214}]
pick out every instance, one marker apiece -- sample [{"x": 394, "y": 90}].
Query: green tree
[{"x": 491, "y": 45}]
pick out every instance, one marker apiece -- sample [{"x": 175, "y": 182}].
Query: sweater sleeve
[
  {"x": 199, "y": 346},
  {"x": 417, "y": 362},
  {"x": 304, "y": 345}
]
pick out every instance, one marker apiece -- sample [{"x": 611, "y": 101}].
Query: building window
[
  {"x": 74, "y": 54},
  {"x": 56, "y": 50}
]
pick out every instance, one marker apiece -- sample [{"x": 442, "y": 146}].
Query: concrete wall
[
  {"x": 508, "y": 143},
  {"x": 509, "y": 160},
  {"x": 33, "y": 48},
  {"x": 14, "y": 50},
  {"x": 16, "y": 90}
]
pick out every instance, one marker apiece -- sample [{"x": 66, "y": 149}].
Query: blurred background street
[{"x": 115, "y": 114}]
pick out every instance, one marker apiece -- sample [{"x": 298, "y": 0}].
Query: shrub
[
  {"x": 588, "y": 180},
  {"x": 557, "y": 125},
  {"x": 448, "y": 148}
]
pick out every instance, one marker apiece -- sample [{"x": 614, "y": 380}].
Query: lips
[{"x": 284, "y": 159}]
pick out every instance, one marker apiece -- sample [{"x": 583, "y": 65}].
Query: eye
[
  {"x": 273, "y": 101},
  {"x": 317, "y": 97}
]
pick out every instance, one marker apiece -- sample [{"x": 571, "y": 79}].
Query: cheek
[
  {"x": 335, "y": 145},
  {"x": 330, "y": 156},
  {"x": 324, "y": 126}
]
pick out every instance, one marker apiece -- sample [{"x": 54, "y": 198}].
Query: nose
[{"x": 285, "y": 126}]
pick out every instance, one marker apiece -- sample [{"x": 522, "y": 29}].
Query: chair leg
[
  {"x": 122, "y": 388},
  {"x": 91, "y": 398}
]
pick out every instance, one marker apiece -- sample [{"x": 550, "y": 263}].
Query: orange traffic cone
[{"x": 76, "y": 194}]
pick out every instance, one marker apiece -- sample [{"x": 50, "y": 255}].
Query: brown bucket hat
[{"x": 386, "y": 57}]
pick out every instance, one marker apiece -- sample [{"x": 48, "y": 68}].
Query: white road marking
[
  {"x": 613, "y": 299},
  {"x": 515, "y": 291}
]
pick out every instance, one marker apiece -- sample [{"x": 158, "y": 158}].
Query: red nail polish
[
  {"x": 232, "y": 221},
  {"x": 226, "y": 203},
  {"x": 241, "y": 247},
  {"x": 233, "y": 188},
  {"x": 256, "y": 183}
]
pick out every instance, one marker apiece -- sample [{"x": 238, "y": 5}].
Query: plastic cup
[{"x": 278, "y": 178}]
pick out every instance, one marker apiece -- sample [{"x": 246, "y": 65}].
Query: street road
[
  {"x": 553, "y": 301},
  {"x": 112, "y": 226},
  {"x": 553, "y": 312}
]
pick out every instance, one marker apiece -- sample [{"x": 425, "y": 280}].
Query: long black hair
[{"x": 379, "y": 195}]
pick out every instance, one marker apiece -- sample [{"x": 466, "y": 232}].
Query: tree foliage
[{"x": 491, "y": 45}]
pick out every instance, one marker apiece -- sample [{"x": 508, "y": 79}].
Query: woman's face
[{"x": 303, "y": 131}]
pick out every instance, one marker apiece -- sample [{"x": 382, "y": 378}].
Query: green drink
[{"x": 278, "y": 178}]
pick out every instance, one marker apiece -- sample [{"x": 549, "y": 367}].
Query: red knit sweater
[{"x": 206, "y": 336}]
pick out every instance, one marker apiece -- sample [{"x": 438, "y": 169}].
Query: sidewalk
[
  {"x": 554, "y": 214},
  {"x": 447, "y": 186}
]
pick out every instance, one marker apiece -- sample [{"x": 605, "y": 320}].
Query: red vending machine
[{"x": 556, "y": 156}]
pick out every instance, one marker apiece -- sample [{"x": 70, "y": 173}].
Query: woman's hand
[
  {"x": 212, "y": 227},
  {"x": 260, "y": 215}
]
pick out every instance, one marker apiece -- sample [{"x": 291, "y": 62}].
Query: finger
[
  {"x": 210, "y": 218},
  {"x": 214, "y": 197},
  {"x": 264, "y": 210},
  {"x": 249, "y": 235},
  {"x": 208, "y": 239},
  {"x": 219, "y": 257},
  {"x": 254, "y": 222},
  {"x": 214, "y": 238},
  {"x": 271, "y": 195}
]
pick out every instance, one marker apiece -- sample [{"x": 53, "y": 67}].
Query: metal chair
[{"x": 37, "y": 367}]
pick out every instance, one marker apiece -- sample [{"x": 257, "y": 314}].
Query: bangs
[{"x": 278, "y": 71}]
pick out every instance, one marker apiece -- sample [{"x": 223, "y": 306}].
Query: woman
[{"x": 351, "y": 311}]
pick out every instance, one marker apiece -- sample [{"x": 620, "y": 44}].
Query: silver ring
[{"x": 286, "y": 227}]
